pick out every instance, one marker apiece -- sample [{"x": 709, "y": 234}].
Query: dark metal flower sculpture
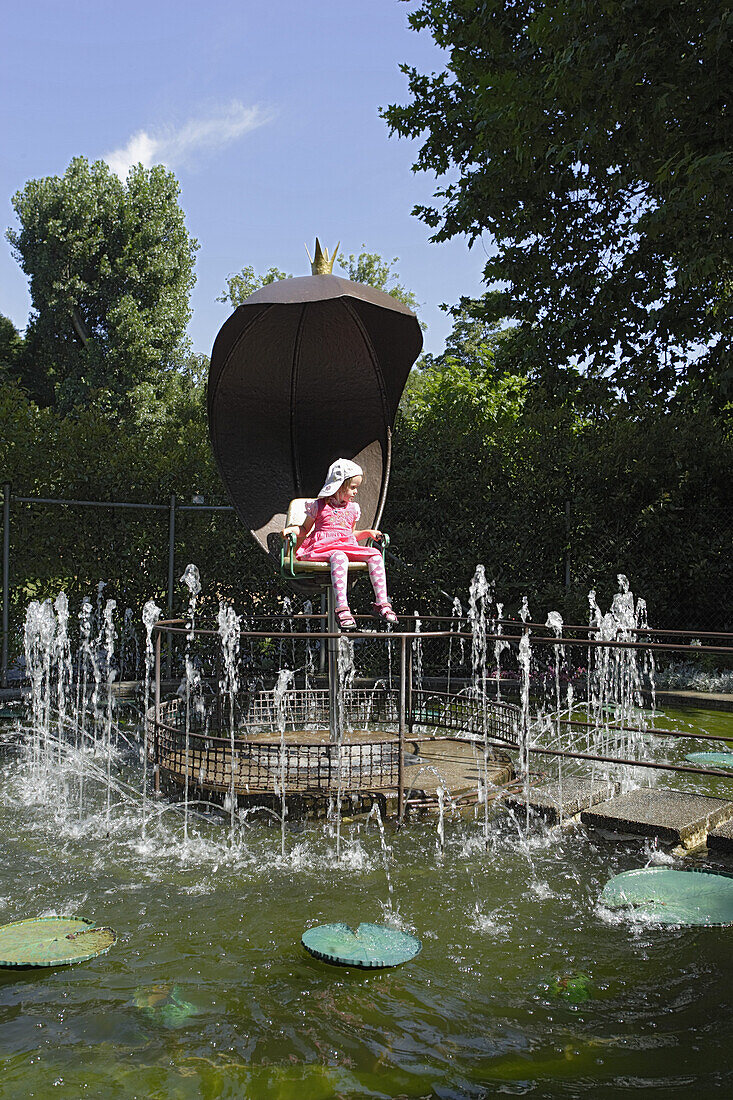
[{"x": 305, "y": 371}]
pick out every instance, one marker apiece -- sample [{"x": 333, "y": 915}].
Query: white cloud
[{"x": 173, "y": 147}]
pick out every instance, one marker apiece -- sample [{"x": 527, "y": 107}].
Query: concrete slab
[
  {"x": 454, "y": 765},
  {"x": 673, "y": 817},
  {"x": 720, "y": 840},
  {"x": 556, "y": 801}
]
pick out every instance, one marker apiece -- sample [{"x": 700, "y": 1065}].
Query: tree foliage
[
  {"x": 593, "y": 142},
  {"x": 111, "y": 269},
  {"x": 246, "y": 282},
  {"x": 11, "y": 348},
  {"x": 488, "y": 468},
  {"x": 475, "y": 347},
  {"x": 368, "y": 268},
  {"x": 88, "y": 455}
]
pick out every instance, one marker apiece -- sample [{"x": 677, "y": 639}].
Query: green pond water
[{"x": 524, "y": 986}]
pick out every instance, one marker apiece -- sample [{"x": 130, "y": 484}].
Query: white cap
[{"x": 338, "y": 472}]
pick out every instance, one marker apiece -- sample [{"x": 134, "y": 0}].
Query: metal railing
[
  {"x": 244, "y": 766},
  {"x": 465, "y": 713}
]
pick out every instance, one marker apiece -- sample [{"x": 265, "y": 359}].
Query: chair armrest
[
  {"x": 287, "y": 553},
  {"x": 381, "y": 544}
]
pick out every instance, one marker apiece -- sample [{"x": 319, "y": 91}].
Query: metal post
[
  {"x": 156, "y": 744},
  {"x": 171, "y": 574},
  {"x": 567, "y": 545},
  {"x": 6, "y": 582},
  {"x": 334, "y": 717},
  {"x": 322, "y": 653},
  {"x": 401, "y": 728},
  {"x": 410, "y": 703}
]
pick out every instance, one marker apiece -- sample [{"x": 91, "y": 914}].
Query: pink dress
[{"x": 333, "y": 530}]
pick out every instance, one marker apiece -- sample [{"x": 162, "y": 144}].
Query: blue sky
[{"x": 266, "y": 111}]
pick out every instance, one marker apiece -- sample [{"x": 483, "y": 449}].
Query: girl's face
[{"x": 348, "y": 490}]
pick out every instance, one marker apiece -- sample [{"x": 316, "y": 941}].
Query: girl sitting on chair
[{"x": 329, "y": 534}]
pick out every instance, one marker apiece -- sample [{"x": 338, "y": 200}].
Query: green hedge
[{"x": 475, "y": 478}]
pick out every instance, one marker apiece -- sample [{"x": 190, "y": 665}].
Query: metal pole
[
  {"x": 334, "y": 717},
  {"x": 401, "y": 746},
  {"x": 156, "y": 746},
  {"x": 6, "y": 582},
  {"x": 567, "y": 545},
  {"x": 410, "y": 704},
  {"x": 322, "y": 653},
  {"x": 171, "y": 574}
]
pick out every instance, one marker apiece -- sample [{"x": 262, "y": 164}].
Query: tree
[
  {"x": 176, "y": 398},
  {"x": 474, "y": 344},
  {"x": 368, "y": 268},
  {"x": 246, "y": 282},
  {"x": 11, "y": 348},
  {"x": 593, "y": 141},
  {"x": 111, "y": 268}
]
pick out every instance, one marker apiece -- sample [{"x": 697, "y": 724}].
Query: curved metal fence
[
  {"x": 243, "y": 766},
  {"x": 185, "y": 739}
]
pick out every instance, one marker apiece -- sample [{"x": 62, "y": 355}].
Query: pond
[{"x": 524, "y": 986}]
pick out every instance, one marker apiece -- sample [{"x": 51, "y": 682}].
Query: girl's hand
[
  {"x": 292, "y": 530},
  {"x": 375, "y": 536}
]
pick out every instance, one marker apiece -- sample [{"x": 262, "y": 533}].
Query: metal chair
[{"x": 315, "y": 574}]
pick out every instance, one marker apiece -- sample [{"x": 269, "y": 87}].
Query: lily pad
[
  {"x": 673, "y": 897},
  {"x": 52, "y": 941},
  {"x": 370, "y": 947},
  {"x": 711, "y": 759}
]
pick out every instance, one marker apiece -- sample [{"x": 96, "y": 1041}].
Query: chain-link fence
[{"x": 681, "y": 566}]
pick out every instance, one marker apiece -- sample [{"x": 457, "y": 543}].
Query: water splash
[
  {"x": 109, "y": 635},
  {"x": 229, "y": 626},
  {"x": 192, "y": 581},
  {"x": 284, "y": 681},
  {"x": 375, "y": 814},
  {"x": 499, "y": 647},
  {"x": 456, "y": 625},
  {"x": 151, "y": 615}
]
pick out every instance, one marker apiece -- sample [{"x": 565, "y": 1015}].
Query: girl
[{"x": 329, "y": 534}]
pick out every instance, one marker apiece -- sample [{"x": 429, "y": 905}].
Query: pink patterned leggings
[{"x": 339, "y": 560}]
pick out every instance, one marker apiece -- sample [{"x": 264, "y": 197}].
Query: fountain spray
[
  {"x": 193, "y": 582},
  {"x": 151, "y": 614}
]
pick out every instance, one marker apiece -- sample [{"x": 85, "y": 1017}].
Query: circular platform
[
  {"x": 711, "y": 759},
  {"x": 669, "y": 896},
  {"x": 370, "y": 947},
  {"x": 52, "y": 941}
]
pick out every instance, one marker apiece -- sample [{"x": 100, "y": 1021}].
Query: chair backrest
[{"x": 296, "y": 511}]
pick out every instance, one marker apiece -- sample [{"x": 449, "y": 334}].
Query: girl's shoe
[
  {"x": 345, "y": 619},
  {"x": 384, "y": 611}
]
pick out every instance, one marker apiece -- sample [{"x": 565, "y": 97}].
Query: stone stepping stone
[
  {"x": 721, "y": 839},
  {"x": 673, "y": 817},
  {"x": 557, "y": 801}
]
